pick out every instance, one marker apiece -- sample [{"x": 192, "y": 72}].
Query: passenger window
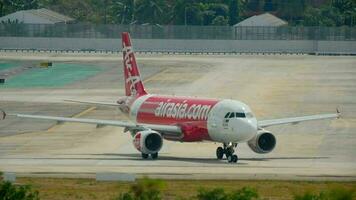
[
  {"x": 240, "y": 115},
  {"x": 227, "y": 115},
  {"x": 232, "y": 115}
]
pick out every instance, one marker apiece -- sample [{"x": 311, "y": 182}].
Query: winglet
[{"x": 2, "y": 115}]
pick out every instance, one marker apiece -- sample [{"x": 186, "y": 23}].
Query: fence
[{"x": 179, "y": 32}]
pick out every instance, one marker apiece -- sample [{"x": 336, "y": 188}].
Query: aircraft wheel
[
  {"x": 235, "y": 158},
  {"x": 144, "y": 155},
  {"x": 229, "y": 152},
  {"x": 154, "y": 156},
  {"x": 230, "y": 158},
  {"x": 219, "y": 153}
]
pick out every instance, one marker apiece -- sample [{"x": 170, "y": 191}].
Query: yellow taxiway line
[
  {"x": 154, "y": 76},
  {"x": 84, "y": 112},
  {"x": 52, "y": 128}
]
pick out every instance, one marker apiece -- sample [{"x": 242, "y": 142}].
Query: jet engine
[
  {"x": 263, "y": 142},
  {"x": 148, "y": 141}
]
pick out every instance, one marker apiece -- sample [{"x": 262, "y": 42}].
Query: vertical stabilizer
[{"x": 133, "y": 82}]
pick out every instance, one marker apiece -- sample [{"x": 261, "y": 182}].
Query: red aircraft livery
[{"x": 184, "y": 119}]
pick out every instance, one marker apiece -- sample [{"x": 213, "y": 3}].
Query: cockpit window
[
  {"x": 240, "y": 115},
  {"x": 249, "y": 115}
]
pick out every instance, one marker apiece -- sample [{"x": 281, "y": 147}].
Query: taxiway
[{"x": 274, "y": 86}]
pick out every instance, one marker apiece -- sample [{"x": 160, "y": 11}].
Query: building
[
  {"x": 264, "y": 26},
  {"x": 265, "y": 19},
  {"x": 37, "y": 16}
]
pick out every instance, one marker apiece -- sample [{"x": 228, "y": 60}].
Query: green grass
[
  {"x": 4, "y": 66},
  {"x": 70, "y": 189},
  {"x": 59, "y": 75}
]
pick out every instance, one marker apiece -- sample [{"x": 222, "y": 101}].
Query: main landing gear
[{"x": 228, "y": 151}]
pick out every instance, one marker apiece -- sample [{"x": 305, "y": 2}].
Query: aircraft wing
[
  {"x": 97, "y": 103},
  {"x": 296, "y": 120},
  {"x": 164, "y": 129}
]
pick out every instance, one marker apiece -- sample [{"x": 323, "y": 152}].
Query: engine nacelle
[
  {"x": 148, "y": 141},
  {"x": 263, "y": 142}
]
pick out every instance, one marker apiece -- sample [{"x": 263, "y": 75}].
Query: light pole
[{"x": 105, "y": 11}]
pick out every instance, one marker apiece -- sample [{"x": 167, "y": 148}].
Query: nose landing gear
[
  {"x": 228, "y": 151},
  {"x": 154, "y": 156}
]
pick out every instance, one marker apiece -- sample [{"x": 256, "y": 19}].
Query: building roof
[
  {"x": 37, "y": 16},
  {"x": 265, "y": 19}
]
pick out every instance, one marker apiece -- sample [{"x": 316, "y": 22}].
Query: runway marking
[
  {"x": 154, "y": 76},
  {"x": 84, "y": 112},
  {"x": 52, "y": 128}
]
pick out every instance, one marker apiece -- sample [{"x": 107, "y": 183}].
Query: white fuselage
[{"x": 216, "y": 120}]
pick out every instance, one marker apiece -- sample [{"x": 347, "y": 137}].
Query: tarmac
[{"x": 275, "y": 86}]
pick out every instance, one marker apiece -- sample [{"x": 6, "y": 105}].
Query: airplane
[{"x": 154, "y": 118}]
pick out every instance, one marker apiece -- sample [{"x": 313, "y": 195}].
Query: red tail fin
[{"x": 133, "y": 83}]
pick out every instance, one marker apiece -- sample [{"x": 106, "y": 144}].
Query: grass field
[
  {"x": 51, "y": 188},
  {"x": 60, "y": 74},
  {"x": 4, "y": 66}
]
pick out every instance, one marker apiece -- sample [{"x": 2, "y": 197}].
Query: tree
[
  {"x": 332, "y": 194},
  {"x": 268, "y": 6},
  {"x": 9, "y": 6},
  {"x": 194, "y": 15},
  {"x": 121, "y": 11},
  {"x": 220, "y": 21},
  {"x": 178, "y": 12},
  {"x": 83, "y": 10},
  {"x": 150, "y": 11},
  {"x": 310, "y": 196},
  {"x": 192, "y": 12},
  {"x": 30, "y": 4},
  {"x": 344, "y": 5},
  {"x": 23, "y": 4},
  {"x": 233, "y": 12},
  {"x": 324, "y": 16},
  {"x": 220, "y": 9},
  {"x": 246, "y": 193},
  {"x": 291, "y": 10},
  {"x": 208, "y": 16},
  {"x": 254, "y": 6},
  {"x": 10, "y": 192},
  {"x": 211, "y": 11},
  {"x": 215, "y": 194},
  {"x": 2, "y": 8},
  {"x": 347, "y": 9},
  {"x": 145, "y": 189}
]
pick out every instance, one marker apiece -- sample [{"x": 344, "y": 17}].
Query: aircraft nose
[{"x": 246, "y": 130}]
